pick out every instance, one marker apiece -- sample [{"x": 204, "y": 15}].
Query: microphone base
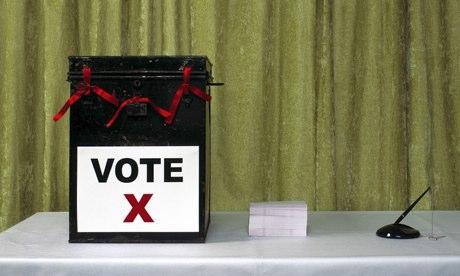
[{"x": 398, "y": 231}]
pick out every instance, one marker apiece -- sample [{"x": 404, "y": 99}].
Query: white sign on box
[{"x": 138, "y": 189}]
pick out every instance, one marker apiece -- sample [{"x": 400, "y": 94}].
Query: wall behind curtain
[{"x": 349, "y": 105}]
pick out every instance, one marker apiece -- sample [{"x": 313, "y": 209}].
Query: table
[{"x": 339, "y": 243}]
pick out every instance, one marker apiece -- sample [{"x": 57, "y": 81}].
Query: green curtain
[{"x": 349, "y": 105}]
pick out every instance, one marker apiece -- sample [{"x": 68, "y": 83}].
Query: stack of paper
[{"x": 282, "y": 218}]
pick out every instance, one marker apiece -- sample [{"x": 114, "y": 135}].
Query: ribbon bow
[
  {"x": 84, "y": 89},
  {"x": 164, "y": 113},
  {"x": 183, "y": 89}
]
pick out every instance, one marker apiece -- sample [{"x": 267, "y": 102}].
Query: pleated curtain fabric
[{"x": 348, "y": 105}]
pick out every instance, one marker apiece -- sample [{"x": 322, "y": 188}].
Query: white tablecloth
[{"x": 340, "y": 243}]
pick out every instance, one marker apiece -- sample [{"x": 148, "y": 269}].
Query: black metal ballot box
[{"x": 139, "y": 148}]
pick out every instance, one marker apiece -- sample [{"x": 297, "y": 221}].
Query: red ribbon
[
  {"x": 84, "y": 89},
  {"x": 181, "y": 91},
  {"x": 164, "y": 113}
]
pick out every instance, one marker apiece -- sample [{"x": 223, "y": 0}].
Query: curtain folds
[{"x": 349, "y": 105}]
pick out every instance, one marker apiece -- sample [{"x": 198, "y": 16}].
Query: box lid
[{"x": 139, "y": 66}]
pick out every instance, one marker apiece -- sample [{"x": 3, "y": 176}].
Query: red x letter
[{"x": 138, "y": 208}]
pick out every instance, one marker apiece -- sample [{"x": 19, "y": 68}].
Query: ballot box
[{"x": 139, "y": 148}]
